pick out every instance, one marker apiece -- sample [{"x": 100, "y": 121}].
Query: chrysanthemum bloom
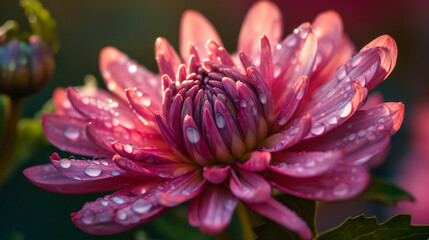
[{"x": 216, "y": 128}]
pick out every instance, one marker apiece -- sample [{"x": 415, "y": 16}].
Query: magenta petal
[
  {"x": 86, "y": 170},
  {"x": 175, "y": 191},
  {"x": 170, "y": 170},
  {"x": 257, "y": 162},
  {"x": 364, "y": 135},
  {"x": 49, "y": 178},
  {"x": 344, "y": 181},
  {"x": 119, "y": 73},
  {"x": 69, "y": 134},
  {"x": 328, "y": 29},
  {"x": 339, "y": 105},
  {"x": 275, "y": 211},
  {"x": 196, "y": 29},
  {"x": 304, "y": 164},
  {"x": 141, "y": 104},
  {"x": 195, "y": 144},
  {"x": 117, "y": 213},
  {"x": 167, "y": 58},
  {"x": 63, "y": 105},
  {"x": 294, "y": 133},
  {"x": 388, "y": 42},
  {"x": 212, "y": 210},
  {"x": 248, "y": 186},
  {"x": 215, "y": 174},
  {"x": 264, "y": 17},
  {"x": 144, "y": 155}
]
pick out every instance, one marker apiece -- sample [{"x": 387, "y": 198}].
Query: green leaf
[
  {"x": 365, "y": 228},
  {"x": 384, "y": 192},
  {"x": 4, "y": 103},
  {"x": 42, "y": 23},
  {"x": 306, "y": 209}
]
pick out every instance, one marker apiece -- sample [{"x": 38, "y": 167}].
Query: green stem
[
  {"x": 245, "y": 222},
  {"x": 223, "y": 235},
  {"x": 9, "y": 137}
]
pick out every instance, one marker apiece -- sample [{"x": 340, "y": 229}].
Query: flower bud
[{"x": 25, "y": 67}]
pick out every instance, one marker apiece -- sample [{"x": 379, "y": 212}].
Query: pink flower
[{"x": 216, "y": 128}]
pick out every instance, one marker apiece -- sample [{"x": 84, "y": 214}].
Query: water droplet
[
  {"x": 115, "y": 173},
  {"x": 128, "y": 148},
  {"x": 220, "y": 120},
  {"x": 243, "y": 103},
  {"x": 132, "y": 68},
  {"x": 341, "y": 72},
  {"x": 263, "y": 98},
  {"x": 310, "y": 163},
  {"x": 145, "y": 99},
  {"x": 333, "y": 120},
  {"x": 185, "y": 193},
  {"x": 341, "y": 190},
  {"x": 192, "y": 135},
  {"x": 355, "y": 61},
  {"x": 121, "y": 215},
  {"x": 229, "y": 204},
  {"x": 104, "y": 203},
  {"x": 104, "y": 163},
  {"x": 291, "y": 41},
  {"x": 330, "y": 93},
  {"x": 118, "y": 200},
  {"x": 282, "y": 120},
  {"x": 65, "y": 163},
  {"x": 371, "y": 136},
  {"x": 283, "y": 164},
  {"x": 92, "y": 170},
  {"x": 141, "y": 206},
  {"x": 318, "y": 129},
  {"x": 345, "y": 109},
  {"x": 361, "y": 133},
  {"x": 77, "y": 178},
  {"x": 72, "y": 134},
  {"x": 88, "y": 217}
]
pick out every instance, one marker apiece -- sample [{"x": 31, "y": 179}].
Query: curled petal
[
  {"x": 49, "y": 178},
  {"x": 63, "y": 105},
  {"x": 387, "y": 42},
  {"x": 196, "y": 29},
  {"x": 216, "y": 174},
  {"x": 167, "y": 58},
  {"x": 304, "y": 164},
  {"x": 344, "y": 181},
  {"x": 257, "y": 162},
  {"x": 175, "y": 191},
  {"x": 212, "y": 210},
  {"x": 294, "y": 133},
  {"x": 264, "y": 17},
  {"x": 119, "y": 73},
  {"x": 69, "y": 134},
  {"x": 141, "y": 104},
  {"x": 275, "y": 211},
  {"x": 248, "y": 186},
  {"x": 117, "y": 213}
]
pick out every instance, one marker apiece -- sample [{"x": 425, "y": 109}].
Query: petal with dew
[
  {"x": 196, "y": 29},
  {"x": 167, "y": 58},
  {"x": 304, "y": 164},
  {"x": 69, "y": 134},
  {"x": 257, "y": 162},
  {"x": 119, "y": 73},
  {"x": 63, "y": 105},
  {"x": 216, "y": 174},
  {"x": 344, "y": 181},
  {"x": 275, "y": 211},
  {"x": 263, "y": 18},
  {"x": 211, "y": 211},
  {"x": 49, "y": 178}
]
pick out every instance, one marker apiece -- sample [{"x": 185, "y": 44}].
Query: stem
[
  {"x": 223, "y": 235},
  {"x": 245, "y": 222},
  {"x": 9, "y": 137}
]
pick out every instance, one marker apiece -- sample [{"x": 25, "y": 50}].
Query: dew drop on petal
[
  {"x": 88, "y": 217},
  {"x": 92, "y": 170},
  {"x": 141, "y": 206},
  {"x": 229, "y": 204},
  {"x": 77, "y": 178},
  {"x": 341, "y": 190},
  {"x": 128, "y": 148},
  {"x": 345, "y": 110},
  {"x": 333, "y": 120},
  {"x": 72, "y": 134},
  {"x": 220, "y": 120},
  {"x": 145, "y": 99},
  {"x": 132, "y": 68},
  {"x": 104, "y": 203},
  {"x": 65, "y": 163},
  {"x": 104, "y": 163},
  {"x": 318, "y": 129},
  {"x": 330, "y": 93},
  {"x": 291, "y": 41},
  {"x": 263, "y": 98},
  {"x": 192, "y": 135},
  {"x": 118, "y": 200},
  {"x": 282, "y": 120},
  {"x": 243, "y": 103},
  {"x": 121, "y": 215}
]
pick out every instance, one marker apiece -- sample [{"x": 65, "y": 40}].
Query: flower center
[{"x": 215, "y": 112}]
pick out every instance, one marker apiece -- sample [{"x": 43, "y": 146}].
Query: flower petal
[
  {"x": 175, "y": 191},
  {"x": 257, "y": 162},
  {"x": 170, "y": 170},
  {"x": 275, "y": 211},
  {"x": 119, "y": 73},
  {"x": 212, "y": 210},
  {"x": 344, "y": 181},
  {"x": 49, "y": 178},
  {"x": 328, "y": 29},
  {"x": 295, "y": 132},
  {"x": 68, "y": 133},
  {"x": 363, "y": 136},
  {"x": 264, "y": 17},
  {"x": 86, "y": 170},
  {"x": 167, "y": 58},
  {"x": 373, "y": 100},
  {"x": 117, "y": 213},
  {"x": 196, "y": 29},
  {"x": 141, "y": 104},
  {"x": 304, "y": 164},
  {"x": 215, "y": 174},
  {"x": 195, "y": 144},
  {"x": 62, "y": 104},
  {"x": 248, "y": 186}
]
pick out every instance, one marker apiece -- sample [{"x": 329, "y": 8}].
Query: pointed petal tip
[{"x": 398, "y": 109}]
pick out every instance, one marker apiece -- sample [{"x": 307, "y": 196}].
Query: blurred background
[{"x": 85, "y": 27}]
